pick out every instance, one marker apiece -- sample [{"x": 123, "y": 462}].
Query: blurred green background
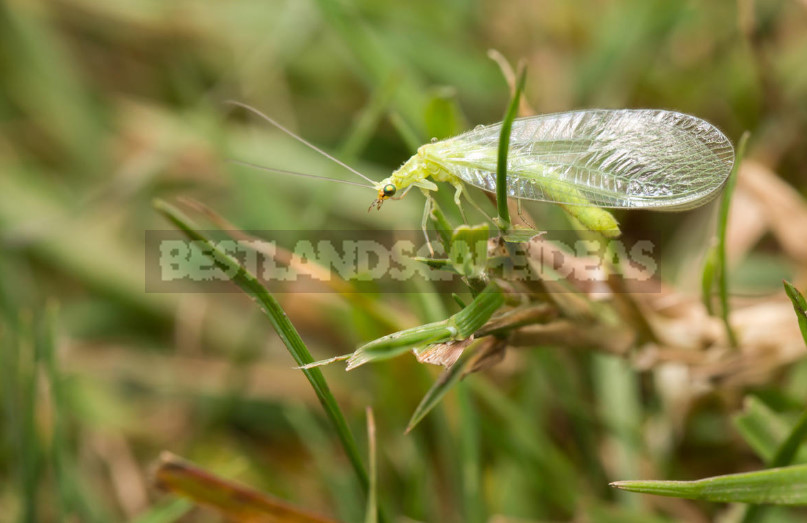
[{"x": 106, "y": 105}]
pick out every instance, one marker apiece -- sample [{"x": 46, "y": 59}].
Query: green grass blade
[
  {"x": 779, "y": 486},
  {"x": 58, "y": 451},
  {"x": 762, "y": 428},
  {"x": 409, "y": 135},
  {"x": 377, "y": 60},
  {"x": 472, "y": 317},
  {"x": 457, "y": 327},
  {"x": 536, "y": 449},
  {"x": 504, "y": 149},
  {"x": 785, "y": 455},
  {"x": 708, "y": 278},
  {"x": 722, "y": 265},
  {"x": 343, "y": 491},
  {"x": 18, "y": 380},
  {"x": 790, "y": 447},
  {"x": 444, "y": 117},
  {"x": 284, "y": 328},
  {"x": 473, "y": 500},
  {"x": 400, "y": 342},
  {"x": 617, "y": 390},
  {"x": 799, "y": 306},
  {"x": 367, "y": 120}
]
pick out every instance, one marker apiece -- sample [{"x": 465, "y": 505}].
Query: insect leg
[
  {"x": 424, "y": 224},
  {"x": 467, "y": 195},
  {"x": 402, "y": 195},
  {"x": 521, "y": 214},
  {"x": 457, "y": 194}
]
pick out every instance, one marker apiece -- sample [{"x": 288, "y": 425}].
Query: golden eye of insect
[{"x": 389, "y": 190}]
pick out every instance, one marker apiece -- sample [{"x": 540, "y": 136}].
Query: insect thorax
[{"x": 418, "y": 168}]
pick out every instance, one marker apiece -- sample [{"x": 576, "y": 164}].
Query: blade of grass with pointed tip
[
  {"x": 284, "y": 328},
  {"x": 459, "y": 326},
  {"x": 799, "y": 306},
  {"x": 400, "y": 342},
  {"x": 722, "y": 265},
  {"x": 779, "y": 486},
  {"x": 504, "y": 149}
]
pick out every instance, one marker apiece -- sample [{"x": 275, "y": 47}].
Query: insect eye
[{"x": 389, "y": 190}]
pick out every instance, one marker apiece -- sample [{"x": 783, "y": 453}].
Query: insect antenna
[
  {"x": 298, "y": 138},
  {"x": 295, "y": 173}
]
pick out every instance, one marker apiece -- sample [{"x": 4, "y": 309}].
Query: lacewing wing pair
[{"x": 583, "y": 160}]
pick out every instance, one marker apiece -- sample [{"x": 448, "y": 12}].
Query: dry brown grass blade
[
  {"x": 233, "y": 501},
  {"x": 747, "y": 223},
  {"x": 564, "y": 333},
  {"x": 490, "y": 353},
  {"x": 784, "y": 209},
  {"x": 524, "y": 107},
  {"x": 526, "y": 315}
]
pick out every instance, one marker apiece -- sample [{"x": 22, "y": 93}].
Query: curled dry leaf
[
  {"x": 445, "y": 354},
  {"x": 566, "y": 333},
  {"x": 491, "y": 352}
]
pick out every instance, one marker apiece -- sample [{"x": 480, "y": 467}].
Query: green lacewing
[{"x": 586, "y": 161}]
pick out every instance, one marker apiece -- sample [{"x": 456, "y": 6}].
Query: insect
[{"x": 585, "y": 161}]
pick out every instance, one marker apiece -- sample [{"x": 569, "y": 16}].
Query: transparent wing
[{"x": 623, "y": 158}]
